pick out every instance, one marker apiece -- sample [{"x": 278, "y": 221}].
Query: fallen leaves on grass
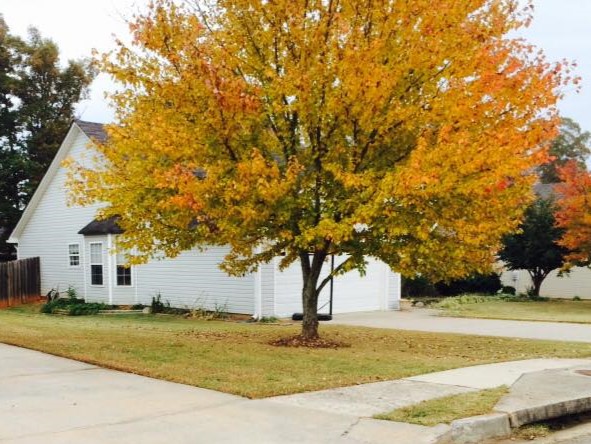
[{"x": 299, "y": 341}]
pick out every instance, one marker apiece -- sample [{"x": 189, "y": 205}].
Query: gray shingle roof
[
  {"x": 97, "y": 227},
  {"x": 95, "y": 131},
  {"x": 545, "y": 190}
]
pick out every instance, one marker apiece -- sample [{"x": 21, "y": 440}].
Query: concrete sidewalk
[
  {"x": 379, "y": 397},
  {"x": 428, "y": 320},
  {"x": 53, "y": 400}
]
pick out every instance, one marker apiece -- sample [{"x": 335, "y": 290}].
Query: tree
[
  {"x": 37, "y": 99},
  {"x": 12, "y": 160},
  {"x": 574, "y": 212},
  {"x": 308, "y": 128},
  {"x": 535, "y": 247},
  {"x": 572, "y": 143}
]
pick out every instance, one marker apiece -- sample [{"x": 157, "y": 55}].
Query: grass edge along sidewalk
[
  {"x": 491, "y": 307},
  {"x": 237, "y": 358}
]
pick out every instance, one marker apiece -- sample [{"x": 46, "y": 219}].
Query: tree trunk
[
  {"x": 310, "y": 305},
  {"x": 311, "y": 274},
  {"x": 537, "y": 279},
  {"x": 537, "y": 284}
]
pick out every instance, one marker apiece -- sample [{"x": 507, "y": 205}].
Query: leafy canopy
[
  {"x": 572, "y": 143},
  {"x": 37, "y": 100},
  {"x": 574, "y": 211},
  {"x": 536, "y": 246},
  {"x": 392, "y": 129}
]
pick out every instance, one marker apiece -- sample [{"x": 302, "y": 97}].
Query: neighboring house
[
  {"x": 76, "y": 251},
  {"x": 576, "y": 283}
]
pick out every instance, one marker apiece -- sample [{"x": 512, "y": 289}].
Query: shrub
[
  {"x": 418, "y": 286},
  {"x": 72, "y": 294},
  {"x": 72, "y": 306},
  {"x": 86, "y": 309},
  {"x": 507, "y": 289},
  {"x": 479, "y": 283},
  {"x": 157, "y": 306},
  {"x": 456, "y": 301},
  {"x": 220, "y": 311},
  {"x": 577, "y": 298}
]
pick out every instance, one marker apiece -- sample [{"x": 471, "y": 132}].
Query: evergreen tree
[{"x": 37, "y": 99}]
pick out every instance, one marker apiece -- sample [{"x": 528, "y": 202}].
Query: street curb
[
  {"x": 475, "y": 429},
  {"x": 549, "y": 411}
]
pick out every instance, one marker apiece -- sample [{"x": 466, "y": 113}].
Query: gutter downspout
[
  {"x": 110, "y": 267},
  {"x": 258, "y": 293}
]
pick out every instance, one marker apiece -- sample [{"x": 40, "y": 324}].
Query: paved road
[
  {"x": 580, "y": 434},
  {"x": 427, "y": 320}
]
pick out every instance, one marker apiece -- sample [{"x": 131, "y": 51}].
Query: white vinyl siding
[
  {"x": 576, "y": 283},
  {"x": 193, "y": 280},
  {"x": 268, "y": 288},
  {"x": 54, "y": 225},
  {"x": 393, "y": 290}
]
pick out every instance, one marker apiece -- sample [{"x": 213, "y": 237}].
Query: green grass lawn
[
  {"x": 552, "y": 310},
  {"x": 237, "y": 358},
  {"x": 448, "y": 408}
]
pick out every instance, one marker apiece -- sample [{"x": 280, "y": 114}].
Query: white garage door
[{"x": 351, "y": 292}]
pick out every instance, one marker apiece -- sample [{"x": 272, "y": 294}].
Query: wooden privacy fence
[{"x": 20, "y": 282}]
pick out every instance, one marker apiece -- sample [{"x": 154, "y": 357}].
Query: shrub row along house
[{"x": 77, "y": 250}]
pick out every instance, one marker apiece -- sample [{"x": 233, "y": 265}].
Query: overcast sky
[{"x": 561, "y": 27}]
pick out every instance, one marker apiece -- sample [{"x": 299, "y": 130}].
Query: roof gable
[{"x": 93, "y": 131}]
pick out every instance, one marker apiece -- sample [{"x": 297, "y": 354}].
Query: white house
[
  {"x": 575, "y": 284},
  {"x": 76, "y": 251}
]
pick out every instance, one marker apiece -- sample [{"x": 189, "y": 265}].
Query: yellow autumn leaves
[{"x": 309, "y": 118}]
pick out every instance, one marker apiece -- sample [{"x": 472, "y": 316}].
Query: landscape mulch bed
[{"x": 299, "y": 341}]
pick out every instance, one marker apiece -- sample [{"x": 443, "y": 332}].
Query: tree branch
[{"x": 333, "y": 273}]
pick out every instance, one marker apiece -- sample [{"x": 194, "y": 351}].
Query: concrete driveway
[
  {"x": 428, "y": 320},
  {"x": 50, "y": 400}
]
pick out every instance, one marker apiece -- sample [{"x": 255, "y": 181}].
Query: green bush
[
  {"x": 456, "y": 301},
  {"x": 73, "y": 306},
  {"x": 417, "y": 287},
  {"x": 72, "y": 294},
  {"x": 522, "y": 297},
  {"x": 157, "y": 306},
  {"x": 507, "y": 289},
  {"x": 478, "y": 283}
]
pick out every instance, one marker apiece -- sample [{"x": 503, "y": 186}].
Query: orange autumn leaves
[
  {"x": 390, "y": 129},
  {"x": 574, "y": 211}
]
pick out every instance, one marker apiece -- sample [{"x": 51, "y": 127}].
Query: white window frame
[
  {"x": 91, "y": 263},
  {"x": 130, "y": 268},
  {"x": 70, "y": 255}
]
